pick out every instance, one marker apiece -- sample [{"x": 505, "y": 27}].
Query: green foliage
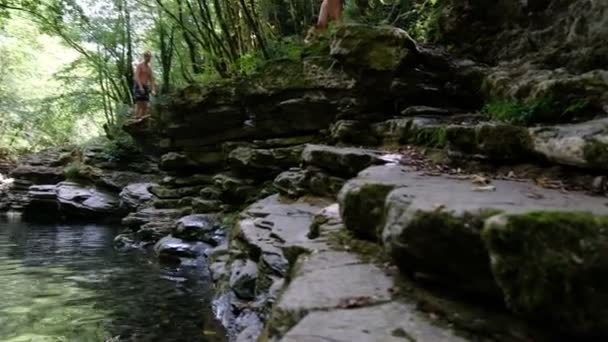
[
  {"x": 419, "y": 17},
  {"x": 287, "y": 48},
  {"x": 72, "y": 171},
  {"x": 543, "y": 109},
  {"x": 426, "y": 26},
  {"x": 119, "y": 145}
]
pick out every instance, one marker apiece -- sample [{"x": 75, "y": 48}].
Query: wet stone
[{"x": 243, "y": 278}]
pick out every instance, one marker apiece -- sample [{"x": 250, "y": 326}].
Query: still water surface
[{"x": 67, "y": 283}]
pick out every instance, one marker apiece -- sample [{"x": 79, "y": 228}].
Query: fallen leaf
[
  {"x": 479, "y": 180},
  {"x": 534, "y": 195},
  {"x": 354, "y": 302},
  {"x": 438, "y": 206},
  {"x": 485, "y": 188}
]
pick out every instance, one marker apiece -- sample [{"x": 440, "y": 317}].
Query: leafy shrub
[
  {"x": 419, "y": 17},
  {"x": 539, "y": 110},
  {"x": 72, "y": 171},
  {"x": 426, "y": 26}
]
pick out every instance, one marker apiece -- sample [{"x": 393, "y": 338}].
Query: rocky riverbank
[{"x": 309, "y": 236}]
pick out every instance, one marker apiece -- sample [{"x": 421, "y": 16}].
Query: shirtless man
[
  {"x": 144, "y": 82},
  {"x": 331, "y": 10}
]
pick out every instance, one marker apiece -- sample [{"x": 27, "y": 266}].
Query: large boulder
[
  {"x": 583, "y": 145},
  {"x": 551, "y": 268},
  {"x": 135, "y": 195},
  {"x": 79, "y": 200},
  {"x": 373, "y": 48}
]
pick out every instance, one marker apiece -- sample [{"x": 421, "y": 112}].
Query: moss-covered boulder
[
  {"x": 551, "y": 267},
  {"x": 372, "y": 48},
  {"x": 491, "y": 141}
]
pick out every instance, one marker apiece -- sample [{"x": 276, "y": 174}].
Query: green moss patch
[
  {"x": 596, "y": 154},
  {"x": 445, "y": 245},
  {"x": 492, "y": 141},
  {"x": 344, "y": 240},
  {"x": 552, "y": 266}
]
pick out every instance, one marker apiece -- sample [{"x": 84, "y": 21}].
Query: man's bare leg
[
  {"x": 323, "y": 15},
  {"x": 331, "y": 10}
]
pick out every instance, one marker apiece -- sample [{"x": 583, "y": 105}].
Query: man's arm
[
  {"x": 137, "y": 76},
  {"x": 152, "y": 82}
]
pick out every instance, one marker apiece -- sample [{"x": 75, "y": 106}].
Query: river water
[{"x": 67, "y": 283}]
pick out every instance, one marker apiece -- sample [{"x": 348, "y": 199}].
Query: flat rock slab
[
  {"x": 86, "y": 200},
  {"x": 342, "y": 161},
  {"x": 583, "y": 144},
  {"x": 459, "y": 195},
  {"x": 389, "y": 322},
  {"x": 271, "y": 225},
  {"x": 330, "y": 280}
]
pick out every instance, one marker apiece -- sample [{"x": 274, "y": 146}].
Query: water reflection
[{"x": 67, "y": 283}]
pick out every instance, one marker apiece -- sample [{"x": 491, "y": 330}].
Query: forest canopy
[{"x": 66, "y": 66}]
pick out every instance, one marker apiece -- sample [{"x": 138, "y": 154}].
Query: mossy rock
[
  {"x": 490, "y": 141},
  {"x": 362, "y": 207},
  {"x": 371, "y": 47},
  {"x": 596, "y": 154},
  {"x": 443, "y": 244},
  {"x": 551, "y": 267}
]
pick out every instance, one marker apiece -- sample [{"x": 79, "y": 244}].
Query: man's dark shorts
[{"x": 139, "y": 95}]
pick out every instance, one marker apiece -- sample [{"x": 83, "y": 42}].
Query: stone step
[
  {"x": 390, "y": 322},
  {"x": 488, "y": 239}
]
